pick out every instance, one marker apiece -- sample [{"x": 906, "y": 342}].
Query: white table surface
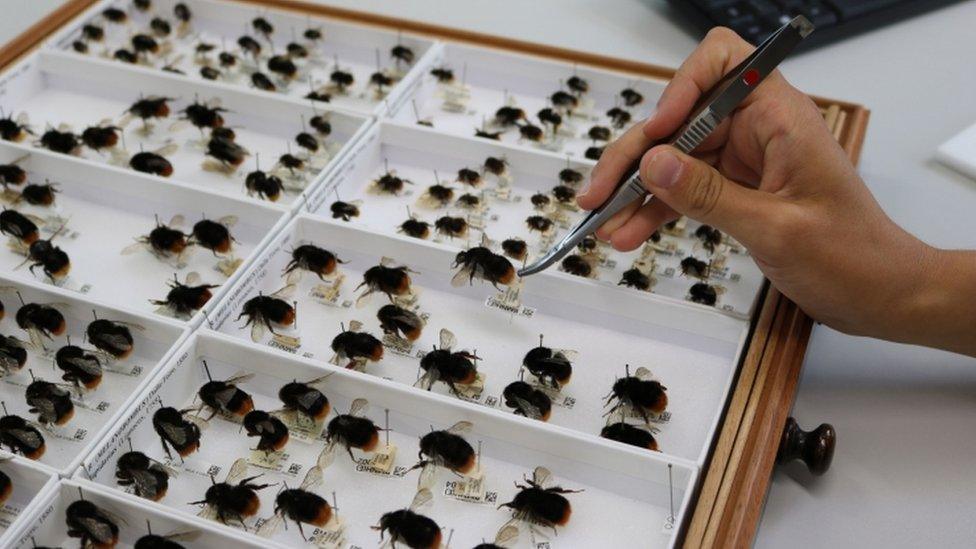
[{"x": 904, "y": 473}]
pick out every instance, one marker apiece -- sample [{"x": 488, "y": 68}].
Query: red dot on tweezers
[{"x": 751, "y": 77}]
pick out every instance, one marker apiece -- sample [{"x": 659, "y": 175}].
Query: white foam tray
[
  {"x": 692, "y": 350},
  {"x": 416, "y": 153},
  {"x": 627, "y": 492},
  {"x": 47, "y": 527},
  {"x": 68, "y": 444},
  {"x": 92, "y": 195},
  {"x": 495, "y": 78},
  {"x": 31, "y": 482},
  {"x": 222, "y": 23},
  {"x": 49, "y": 86}
]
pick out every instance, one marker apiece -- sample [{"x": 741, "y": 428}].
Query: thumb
[{"x": 697, "y": 190}]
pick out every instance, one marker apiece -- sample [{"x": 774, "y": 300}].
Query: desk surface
[{"x": 905, "y": 416}]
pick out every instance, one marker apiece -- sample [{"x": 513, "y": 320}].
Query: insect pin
[
  {"x": 409, "y": 527},
  {"x": 453, "y": 368},
  {"x": 637, "y": 393},
  {"x": 539, "y": 503},
  {"x": 269, "y": 311},
  {"x": 300, "y": 505},
  {"x": 233, "y": 500},
  {"x": 184, "y": 298}
]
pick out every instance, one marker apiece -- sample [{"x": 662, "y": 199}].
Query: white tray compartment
[
  {"x": 69, "y": 443},
  {"x": 627, "y": 491},
  {"x": 30, "y": 482},
  {"x": 527, "y": 81},
  {"x": 107, "y": 209},
  {"x": 691, "y": 350},
  {"x": 415, "y": 153},
  {"x": 47, "y": 526},
  {"x": 50, "y": 85},
  {"x": 222, "y": 23}
]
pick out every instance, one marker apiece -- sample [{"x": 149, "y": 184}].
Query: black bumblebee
[
  {"x": 295, "y": 49},
  {"x": 550, "y": 117},
  {"x": 389, "y": 183},
  {"x": 415, "y": 228},
  {"x": 577, "y": 85},
  {"x": 249, "y": 45},
  {"x": 380, "y": 80},
  {"x": 148, "y": 478},
  {"x": 308, "y": 142},
  {"x": 163, "y": 241},
  {"x": 467, "y": 176},
  {"x": 148, "y": 108},
  {"x": 202, "y": 115},
  {"x": 309, "y": 257},
  {"x": 692, "y": 266},
  {"x": 594, "y": 153},
  {"x": 540, "y": 201},
  {"x": 709, "y": 236},
  {"x": 634, "y": 278},
  {"x": 451, "y": 367},
  {"x": 468, "y": 201},
  {"x": 629, "y": 434},
  {"x": 92, "y": 32},
  {"x": 351, "y": 430},
  {"x": 354, "y": 346},
  {"x": 531, "y": 132},
  {"x": 126, "y": 56},
  {"x": 143, "y": 43},
  {"x": 305, "y": 399},
  {"x": 18, "y": 226},
  {"x": 155, "y": 541},
  {"x": 482, "y": 263},
  {"x": 599, "y": 133},
  {"x": 52, "y": 260},
  {"x": 631, "y": 97},
  {"x": 115, "y": 15},
  {"x": 160, "y": 27},
  {"x": 564, "y": 194},
  {"x": 527, "y": 401},
  {"x": 451, "y": 227},
  {"x": 319, "y": 96},
  {"x": 344, "y": 210},
  {"x": 51, "y": 402},
  {"x": 400, "y": 322},
  {"x": 553, "y": 367},
  {"x": 81, "y": 368},
  {"x": 539, "y": 223},
  {"x": 321, "y": 124},
  {"x": 177, "y": 428},
  {"x": 444, "y": 75},
  {"x": 495, "y": 136},
  {"x": 92, "y": 524},
  {"x": 564, "y": 100},
  {"x": 587, "y": 245},
  {"x": 341, "y": 79},
  {"x": 291, "y": 162},
  {"x": 224, "y": 396},
  {"x": 151, "y": 163},
  {"x": 300, "y": 505},
  {"x": 496, "y": 166},
  {"x": 639, "y": 393},
  {"x": 39, "y": 195},
  {"x": 383, "y": 278},
  {"x": 21, "y": 436},
  {"x": 539, "y": 503},
  {"x": 185, "y": 298},
  {"x": 509, "y": 116},
  {"x": 402, "y": 53},
  {"x": 619, "y": 117},
  {"x": 100, "y": 137},
  {"x": 267, "y": 311},
  {"x": 266, "y": 186},
  {"x": 448, "y": 449},
  {"x": 233, "y": 500},
  {"x": 6, "y": 486},
  {"x": 13, "y": 355},
  {"x": 516, "y": 248},
  {"x": 12, "y": 174},
  {"x": 13, "y": 130},
  {"x": 228, "y": 152},
  {"x": 272, "y": 432},
  {"x": 439, "y": 194},
  {"x": 505, "y": 536},
  {"x": 64, "y": 142},
  {"x": 283, "y": 66},
  {"x": 410, "y": 528},
  {"x": 262, "y": 26},
  {"x": 703, "y": 293},
  {"x": 227, "y": 59},
  {"x": 569, "y": 176},
  {"x": 214, "y": 235},
  {"x": 40, "y": 320},
  {"x": 182, "y": 12},
  {"x": 261, "y": 81},
  {"x": 574, "y": 264}
]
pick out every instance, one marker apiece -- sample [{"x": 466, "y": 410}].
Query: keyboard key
[{"x": 849, "y": 9}]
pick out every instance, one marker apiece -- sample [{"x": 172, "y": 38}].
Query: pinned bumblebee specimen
[
  {"x": 451, "y": 227},
  {"x": 632, "y": 435},
  {"x": 50, "y": 401},
  {"x": 13, "y": 355},
  {"x": 482, "y": 263},
  {"x": 164, "y": 241},
  {"x": 234, "y": 500},
  {"x": 311, "y": 258},
  {"x": 21, "y": 436},
  {"x": 446, "y": 449},
  {"x": 515, "y": 248},
  {"x": 389, "y": 183},
  {"x": 269, "y": 311},
  {"x": 168, "y": 541},
  {"x": 539, "y": 223},
  {"x": 202, "y": 115},
  {"x": 437, "y": 196},
  {"x": 147, "y": 109},
  {"x": 552, "y": 367},
  {"x": 178, "y": 429},
  {"x": 305, "y": 401},
  {"x": 635, "y": 278},
  {"x": 267, "y": 186},
  {"x": 576, "y": 264},
  {"x": 272, "y": 433},
  {"x": 705, "y": 294},
  {"x": 504, "y": 538},
  {"x": 154, "y": 162},
  {"x": 81, "y": 368},
  {"x": 350, "y": 430},
  {"x": 497, "y": 166},
  {"x": 345, "y": 210},
  {"x": 102, "y": 136},
  {"x": 410, "y": 528},
  {"x": 570, "y": 176},
  {"x": 413, "y": 227},
  {"x": 60, "y": 140},
  {"x": 14, "y": 129},
  {"x": 93, "y": 525},
  {"x": 112, "y": 337},
  {"x": 392, "y": 281},
  {"x": 214, "y": 235},
  {"x": 528, "y": 401},
  {"x": 300, "y": 505},
  {"x": 184, "y": 298},
  {"x": 224, "y": 397},
  {"x": 709, "y": 237},
  {"x": 399, "y": 322},
  {"x": 453, "y": 368},
  {"x": 631, "y": 97},
  {"x": 6, "y": 485},
  {"x": 52, "y": 260},
  {"x": 355, "y": 348},
  {"x": 40, "y": 321},
  {"x": 147, "y": 477},
  {"x": 619, "y": 117},
  {"x": 22, "y": 229},
  {"x": 12, "y": 173},
  {"x": 694, "y": 267},
  {"x": 38, "y": 195},
  {"x": 638, "y": 394},
  {"x": 540, "y": 503}
]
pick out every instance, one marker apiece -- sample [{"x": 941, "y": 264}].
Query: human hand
[{"x": 773, "y": 177}]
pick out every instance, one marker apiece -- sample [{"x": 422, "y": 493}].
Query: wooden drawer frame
[{"x": 737, "y": 475}]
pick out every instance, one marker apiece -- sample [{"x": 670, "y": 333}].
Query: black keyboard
[{"x": 754, "y": 20}]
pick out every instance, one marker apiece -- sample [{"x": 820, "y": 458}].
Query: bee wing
[
  {"x": 485, "y": 241},
  {"x": 327, "y": 456},
  {"x": 461, "y": 427},
  {"x": 388, "y": 261},
  {"x": 228, "y": 220},
  {"x": 240, "y": 377},
  {"x": 167, "y": 150},
  {"x": 428, "y": 379},
  {"x": 642, "y": 373},
  {"x": 176, "y": 221},
  {"x": 285, "y": 292},
  {"x": 257, "y": 331},
  {"x": 97, "y": 528},
  {"x": 308, "y": 399},
  {"x": 568, "y": 354},
  {"x": 541, "y": 476},
  {"x": 507, "y": 534},
  {"x": 363, "y": 299},
  {"x": 193, "y": 278},
  {"x": 270, "y": 526},
  {"x": 28, "y": 437},
  {"x": 145, "y": 482},
  {"x": 179, "y": 125},
  {"x": 426, "y": 480},
  {"x": 173, "y": 433},
  {"x": 135, "y": 247},
  {"x": 238, "y": 471},
  {"x": 198, "y": 421},
  {"x": 36, "y": 338},
  {"x": 462, "y": 277},
  {"x": 358, "y": 407},
  {"x": 529, "y": 409},
  {"x": 208, "y": 512},
  {"x": 294, "y": 277},
  {"x": 448, "y": 339},
  {"x": 312, "y": 478},
  {"x": 64, "y": 127},
  {"x": 420, "y": 499},
  {"x": 86, "y": 366},
  {"x": 23, "y": 119}
]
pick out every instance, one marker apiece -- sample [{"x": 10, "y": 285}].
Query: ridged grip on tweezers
[{"x": 698, "y": 129}]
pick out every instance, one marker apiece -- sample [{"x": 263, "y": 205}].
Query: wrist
[{"x": 942, "y": 309}]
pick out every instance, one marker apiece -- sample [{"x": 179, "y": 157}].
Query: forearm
[{"x": 943, "y": 313}]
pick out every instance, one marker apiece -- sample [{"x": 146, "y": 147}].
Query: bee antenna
[
  {"x": 31, "y": 372},
  {"x": 4, "y": 405},
  {"x": 94, "y": 314},
  {"x": 130, "y": 444},
  {"x": 540, "y": 340},
  {"x": 212, "y": 480},
  {"x": 68, "y": 337},
  {"x": 21, "y": 298},
  {"x": 627, "y": 369},
  {"x": 437, "y": 177},
  {"x": 206, "y": 368},
  {"x": 81, "y": 495},
  {"x": 342, "y": 326},
  {"x": 148, "y": 527}
]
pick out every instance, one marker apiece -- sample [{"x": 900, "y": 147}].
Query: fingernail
[
  {"x": 650, "y": 119},
  {"x": 586, "y": 186},
  {"x": 664, "y": 169}
]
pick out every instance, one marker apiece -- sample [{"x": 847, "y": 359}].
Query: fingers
[
  {"x": 636, "y": 230},
  {"x": 698, "y": 190},
  {"x": 619, "y": 157},
  {"x": 618, "y": 219}
]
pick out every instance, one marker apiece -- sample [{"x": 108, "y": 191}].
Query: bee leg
[
  {"x": 352, "y": 457},
  {"x": 302, "y": 532}
]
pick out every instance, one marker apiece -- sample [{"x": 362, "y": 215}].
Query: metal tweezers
[{"x": 714, "y": 106}]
